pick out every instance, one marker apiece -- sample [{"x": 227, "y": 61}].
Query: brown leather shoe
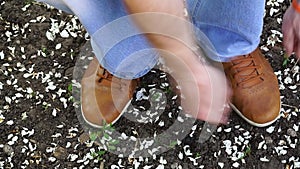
[
  {"x": 103, "y": 96},
  {"x": 256, "y": 96}
]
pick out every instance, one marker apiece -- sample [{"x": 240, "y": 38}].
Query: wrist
[{"x": 296, "y": 5}]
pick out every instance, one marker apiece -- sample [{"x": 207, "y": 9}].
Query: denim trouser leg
[
  {"x": 116, "y": 41},
  {"x": 232, "y": 26}
]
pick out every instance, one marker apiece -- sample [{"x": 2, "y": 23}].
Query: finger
[
  {"x": 217, "y": 92},
  {"x": 297, "y": 42},
  {"x": 288, "y": 32},
  {"x": 226, "y": 114},
  {"x": 288, "y": 39},
  {"x": 297, "y": 49},
  {"x": 288, "y": 46}
]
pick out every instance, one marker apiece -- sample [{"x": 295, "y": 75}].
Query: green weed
[
  {"x": 104, "y": 134},
  {"x": 285, "y": 60},
  {"x": 246, "y": 152}
]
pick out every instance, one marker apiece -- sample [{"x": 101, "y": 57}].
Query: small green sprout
[
  {"x": 99, "y": 154},
  {"x": 198, "y": 155},
  {"x": 246, "y": 152},
  {"x": 70, "y": 87},
  {"x": 72, "y": 90},
  {"x": 172, "y": 144},
  {"x": 44, "y": 49},
  {"x": 104, "y": 134},
  {"x": 27, "y": 2},
  {"x": 168, "y": 90},
  {"x": 285, "y": 60},
  {"x": 33, "y": 94},
  {"x": 156, "y": 96},
  {"x": 93, "y": 136}
]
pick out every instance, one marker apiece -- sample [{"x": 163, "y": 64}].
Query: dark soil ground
[{"x": 40, "y": 126}]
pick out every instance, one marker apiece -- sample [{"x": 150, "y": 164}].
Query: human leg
[
  {"x": 121, "y": 50},
  {"x": 117, "y": 42},
  {"x": 234, "y": 28}
]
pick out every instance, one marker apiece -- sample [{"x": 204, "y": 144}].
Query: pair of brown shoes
[{"x": 256, "y": 96}]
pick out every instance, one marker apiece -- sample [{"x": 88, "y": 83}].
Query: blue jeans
[{"x": 232, "y": 27}]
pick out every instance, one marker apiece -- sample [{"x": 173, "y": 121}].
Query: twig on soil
[
  {"x": 138, "y": 141},
  {"x": 101, "y": 165},
  {"x": 290, "y": 106},
  {"x": 295, "y": 64}
]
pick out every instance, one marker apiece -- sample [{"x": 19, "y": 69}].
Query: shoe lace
[
  {"x": 105, "y": 78},
  {"x": 246, "y": 71},
  {"x": 108, "y": 80}
]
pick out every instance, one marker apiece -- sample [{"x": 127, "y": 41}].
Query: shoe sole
[
  {"x": 252, "y": 122},
  {"x": 113, "y": 122}
]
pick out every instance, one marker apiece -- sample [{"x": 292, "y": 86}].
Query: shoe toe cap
[{"x": 260, "y": 110}]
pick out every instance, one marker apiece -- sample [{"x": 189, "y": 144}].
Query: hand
[
  {"x": 204, "y": 89},
  {"x": 291, "y": 31},
  {"x": 217, "y": 93}
]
